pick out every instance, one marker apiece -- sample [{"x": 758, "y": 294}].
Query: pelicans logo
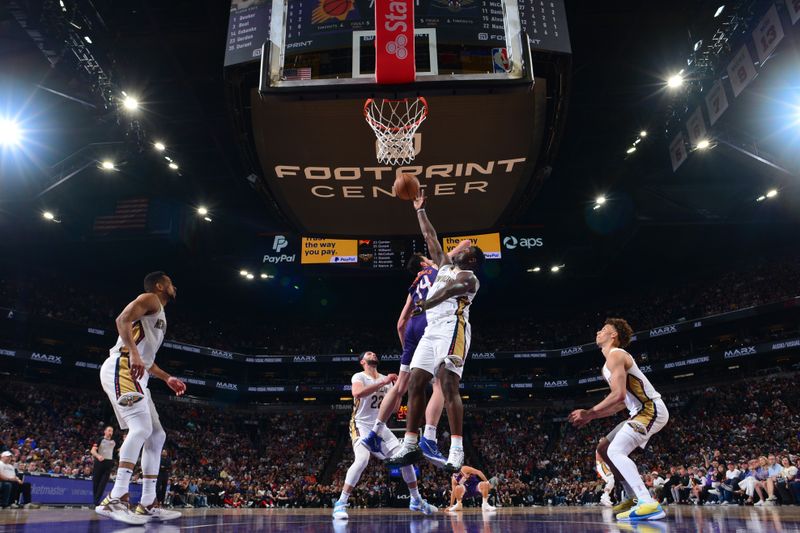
[{"x": 332, "y": 9}]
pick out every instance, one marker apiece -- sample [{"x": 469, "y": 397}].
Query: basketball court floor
[{"x": 534, "y": 519}]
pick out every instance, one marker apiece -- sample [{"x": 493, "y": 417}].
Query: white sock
[
  {"x": 122, "y": 482},
  {"x": 344, "y": 496},
  {"x": 456, "y": 441},
  {"x": 148, "y": 491},
  {"x": 378, "y": 427},
  {"x": 430, "y": 432},
  {"x": 411, "y": 439},
  {"x": 414, "y": 493}
]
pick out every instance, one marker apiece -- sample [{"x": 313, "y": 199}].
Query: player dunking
[
  {"x": 648, "y": 415},
  {"x": 124, "y": 376},
  {"x": 443, "y": 348},
  {"x": 369, "y": 391},
  {"x": 411, "y": 327}
]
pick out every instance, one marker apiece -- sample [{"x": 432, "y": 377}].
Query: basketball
[
  {"x": 336, "y": 8},
  {"x": 406, "y": 187}
]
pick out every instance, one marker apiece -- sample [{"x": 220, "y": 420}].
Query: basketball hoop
[{"x": 395, "y": 122}]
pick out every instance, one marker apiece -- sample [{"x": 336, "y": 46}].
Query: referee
[{"x": 103, "y": 452}]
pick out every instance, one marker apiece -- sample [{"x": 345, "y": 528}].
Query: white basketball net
[{"x": 395, "y": 122}]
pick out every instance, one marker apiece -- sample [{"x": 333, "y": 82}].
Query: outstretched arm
[
  {"x": 473, "y": 472},
  {"x": 432, "y": 240}
]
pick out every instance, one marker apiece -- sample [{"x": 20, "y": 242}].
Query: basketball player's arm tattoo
[
  {"x": 402, "y": 322},
  {"x": 464, "y": 283}
]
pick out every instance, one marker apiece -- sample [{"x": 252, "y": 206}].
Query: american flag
[
  {"x": 130, "y": 214},
  {"x": 294, "y": 74}
]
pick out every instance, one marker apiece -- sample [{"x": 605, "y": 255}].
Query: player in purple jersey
[
  {"x": 469, "y": 483},
  {"x": 410, "y": 328}
]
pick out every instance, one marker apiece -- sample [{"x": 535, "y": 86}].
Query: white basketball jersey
[
  {"x": 148, "y": 334},
  {"x": 365, "y": 410},
  {"x": 453, "y": 307},
  {"x": 639, "y": 391}
]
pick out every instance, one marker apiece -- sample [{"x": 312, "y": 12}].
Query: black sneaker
[{"x": 409, "y": 454}]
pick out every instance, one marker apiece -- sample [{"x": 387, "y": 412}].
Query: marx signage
[{"x": 321, "y": 170}]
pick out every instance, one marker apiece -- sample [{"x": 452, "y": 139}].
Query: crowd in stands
[
  {"x": 736, "y": 443},
  {"x": 756, "y": 283}
]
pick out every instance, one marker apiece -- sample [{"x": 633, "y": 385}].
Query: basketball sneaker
[
  {"x": 407, "y": 455},
  {"x": 119, "y": 510},
  {"x": 605, "y": 500},
  {"x": 643, "y": 511},
  {"x": 340, "y": 510},
  {"x": 455, "y": 460},
  {"x": 157, "y": 514},
  {"x": 456, "y": 508},
  {"x": 431, "y": 452},
  {"x": 486, "y": 508},
  {"x": 624, "y": 505},
  {"x": 422, "y": 506},
  {"x": 373, "y": 442}
]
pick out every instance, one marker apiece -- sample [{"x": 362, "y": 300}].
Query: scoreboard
[{"x": 322, "y": 25}]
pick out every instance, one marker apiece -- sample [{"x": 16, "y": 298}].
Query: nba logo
[{"x": 500, "y": 60}]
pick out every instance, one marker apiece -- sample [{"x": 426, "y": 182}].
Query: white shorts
[
  {"x": 389, "y": 444},
  {"x": 128, "y": 397},
  {"x": 643, "y": 424},
  {"x": 444, "y": 343}
]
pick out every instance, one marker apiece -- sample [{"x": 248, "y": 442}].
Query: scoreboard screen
[
  {"x": 322, "y": 25},
  {"x": 389, "y": 254}
]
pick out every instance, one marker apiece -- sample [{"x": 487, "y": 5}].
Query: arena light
[
  {"x": 108, "y": 165},
  {"x": 681, "y": 376},
  {"x": 130, "y": 103},
  {"x": 535, "y": 269},
  {"x": 761, "y": 198},
  {"x": 719, "y": 11},
  {"x": 703, "y": 144},
  {"x": 63, "y": 7},
  {"x": 243, "y": 273},
  {"x": 310, "y": 399},
  {"x": 173, "y": 166},
  {"x": 555, "y": 269},
  {"x": 158, "y": 145},
  {"x": 630, "y": 150},
  {"x": 772, "y": 193},
  {"x": 675, "y": 81},
  {"x": 10, "y": 133},
  {"x": 250, "y": 276},
  {"x": 207, "y": 219},
  {"x": 600, "y": 200},
  {"x": 345, "y": 399},
  {"x": 734, "y": 367},
  {"x": 643, "y": 134},
  {"x": 47, "y": 215},
  {"x": 494, "y": 397},
  {"x": 87, "y": 39},
  {"x": 202, "y": 211},
  {"x": 597, "y": 390}
]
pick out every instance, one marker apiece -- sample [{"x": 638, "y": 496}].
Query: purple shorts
[{"x": 414, "y": 331}]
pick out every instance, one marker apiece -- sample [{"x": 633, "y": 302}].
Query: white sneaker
[
  {"x": 759, "y": 503},
  {"x": 120, "y": 511},
  {"x": 340, "y": 511},
  {"x": 455, "y": 459},
  {"x": 488, "y": 508},
  {"x": 157, "y": 514},
  {"x": 456, "y": 508},
  {"x": 605, "y": 500}
]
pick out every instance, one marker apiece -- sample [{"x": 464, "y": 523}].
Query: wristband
[{"x": 421, "y": 210}]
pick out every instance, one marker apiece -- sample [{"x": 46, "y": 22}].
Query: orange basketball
[
  {"x": 406, "y": 187},
  {"x": 336, "y": 8}
]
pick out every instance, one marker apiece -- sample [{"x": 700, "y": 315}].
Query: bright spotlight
[
  {"x": 108, "y": 165},
  {"x": 243, "y": 272},
  {"x": 47, "y": 215},
  {"x": 159, "y": 146},
  {"x": 264, "y": 276},
  {"x": 772, "y": 193},
  {"x": 207, "y": 219},
  {"x": 173, "y": 166},
  {"x": 555, "y": 268},
  {"x": 130, "y": 103},
  {"x": 630, "y": 150},
  {"x": 674, "y": 81},
  {"x": 643, "y": 134},
  {"x": 761, "y": 198},
  {"x": 87, "y": 39},
  {"x": 202, "y": 211},
  {"x": 250, "y": 276},
  {"x": 537, "y": 269},
  {"x": 719, "y": 11},
  {"x": 703, "y": 144},
  {"x": 10, "y": 134},
  {"x": 600, "y": 200}
]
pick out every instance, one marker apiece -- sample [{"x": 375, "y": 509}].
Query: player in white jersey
[
  {"x": 630, "y": 389},
  {"x": 369, "y": 389},
  {"x": 124, "y": 376},
  {"x": 443, "y": 348}
]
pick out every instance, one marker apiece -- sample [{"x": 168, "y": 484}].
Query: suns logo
[{"x": 332, "y": 9}]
